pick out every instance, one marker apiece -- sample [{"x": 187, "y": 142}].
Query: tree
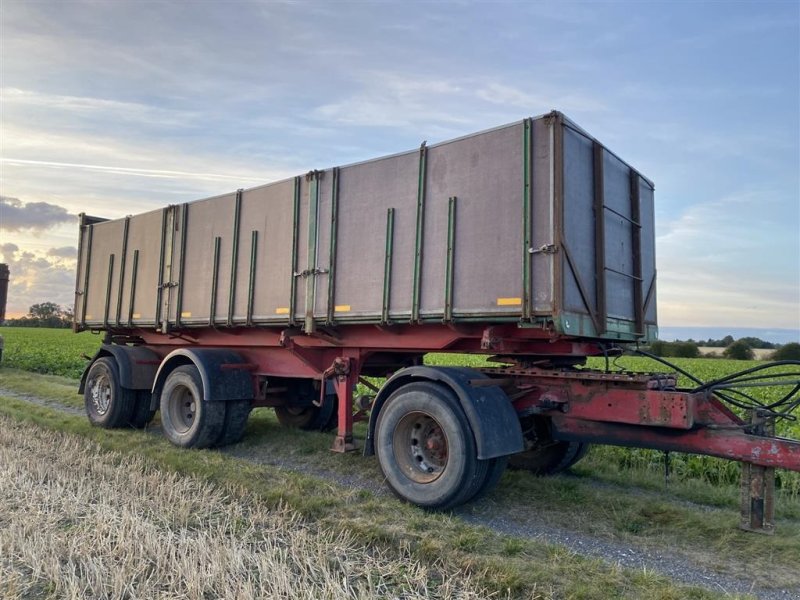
[
  {"x": 789, "y": 351},
  {"x": 738, "y": 350},
  {"x": 45, "y": 310}
]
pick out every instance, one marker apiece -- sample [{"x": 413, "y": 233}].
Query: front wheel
[
  {"x": 188, "y": 420},
  {"x": 426, "y": 449},
  {"x": 107, "y": 403}
]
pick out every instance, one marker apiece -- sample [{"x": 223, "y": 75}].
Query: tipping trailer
[{"x": 530, "y": 243}]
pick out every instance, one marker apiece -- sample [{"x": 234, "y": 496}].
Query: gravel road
[{"x": 488, "y": 514}]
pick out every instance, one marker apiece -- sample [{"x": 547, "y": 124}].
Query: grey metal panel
[
  {"x": 106, "y": 240},
  {"x": 647, "y": 217},
  {"x": 579, "y": 232},
  {"x": 618, "y": 238},
  {"x": 366, "y": 192},
  {"x": 143, "y": 232},
  {"x": 269, "y": 210},
  {"x": 207, "y": 219},
  {"x": 485, "y": 173},
  {"x": 542, "y": 211}
]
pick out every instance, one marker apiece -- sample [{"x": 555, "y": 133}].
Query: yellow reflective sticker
[
  {"x": 282, "y": 311},
  {"x": 185, "y": 314},
  {"x": 342, "y": 308},
  {"x": 136, "y": 315},
  {"x": 509, "y": 301}
]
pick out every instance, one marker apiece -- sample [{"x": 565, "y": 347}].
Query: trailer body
[
  {"x": 534, "y": 222},
  {"x": 531, "y": 243}
]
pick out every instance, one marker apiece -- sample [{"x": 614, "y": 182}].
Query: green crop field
[
  {"x": 61, "y": 352},
  {"x": 49, "y": 351}
]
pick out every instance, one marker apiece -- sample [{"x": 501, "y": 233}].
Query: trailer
[{"x": 532, "y": 244}]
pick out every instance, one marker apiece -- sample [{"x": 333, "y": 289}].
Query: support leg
[
  {"x": 345, "y": 384},
  {"x": 757, "y": 499}
]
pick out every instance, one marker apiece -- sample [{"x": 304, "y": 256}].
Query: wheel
[
  {"x": 142, "y": 414},
  {"x": 426, "y": 449},
  {"x": 309, "y": 417},
  {"x": 189, "y": 421},
  {"x": 236, "y": 415},
  {"x": 497, "y": 466},
  {"x": 107, "y": 403},
  {"x": 545, "y": 456}
]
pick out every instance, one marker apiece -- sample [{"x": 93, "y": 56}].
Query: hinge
[
  {"x": 544, "y": 249},
  {"x": 309, "y": 272}
]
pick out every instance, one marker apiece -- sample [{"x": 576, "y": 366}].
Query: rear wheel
[
  {"x": 236, "y": 414},
  {"x": 426, "y": 449},
  {"x": 544, "y": 455},
  {"x": 107, "y": 403},
  {"x": 308, "y": 416},
  {"x": 188, "y": 420},
  {"x": 142, "y": 414}
]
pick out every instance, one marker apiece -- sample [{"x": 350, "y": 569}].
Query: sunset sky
[{"x": 114, "y": 108}]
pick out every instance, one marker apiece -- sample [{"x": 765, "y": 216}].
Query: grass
[
  {"x": 634, "y": 507},
  {"x": 500, "y": 565},
  {"x": 72, "y": 512}
]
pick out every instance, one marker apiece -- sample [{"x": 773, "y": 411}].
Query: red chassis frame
[{"x": 625, "y": 409}]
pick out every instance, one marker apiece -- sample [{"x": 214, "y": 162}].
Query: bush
[
  {"x": 739, "y": 350},
  {"x": 787, "y": 352},
  {"x": 675, "y": 349}
]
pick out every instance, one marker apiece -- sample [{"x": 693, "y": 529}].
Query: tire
[
  {"x": 497, "y": 466},
  {"x": 426, "y": 448},
  {"x": 309, "y": 417},
  {"x": 107, "y": 403},
  {"x": 142, "y": 414},
  {"x": 189, "y": 421},
  {"x": 236, "y": 414},
  {"x": 545, "y": 456}
]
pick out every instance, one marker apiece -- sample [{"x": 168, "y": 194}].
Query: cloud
[
  {"x": 64, "y": 252},
  {"x": 16, "y": 215},
  {"x": 35, "y": 278}
]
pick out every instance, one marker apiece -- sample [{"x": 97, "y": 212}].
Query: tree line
[
  {"x": 45, "y": 314},
  {"x": 741, "y": 349}
]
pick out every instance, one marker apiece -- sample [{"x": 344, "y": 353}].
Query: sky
[{"x": 114, "y": 108}]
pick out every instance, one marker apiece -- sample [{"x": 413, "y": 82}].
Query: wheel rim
[
  {"x": 182, "y": 409},
  {"x": 420, "y": 447},
  {"x": 101, "y": 394}
]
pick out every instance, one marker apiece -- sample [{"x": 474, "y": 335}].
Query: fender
[
  {"x": 219, "y": 383},
  {"x": 137, "y": 366},
  {"x": 491, "y": 416}
]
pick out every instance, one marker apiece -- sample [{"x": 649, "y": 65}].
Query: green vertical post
[
  {"x": 449, "y": 260},
  {"x": 334, "y": 231},
  {"x": 212, "y": 310},
  {"x": 387, "y": 265},
  {"x": 293, "y": 274},
  {"x": 420, "y": 230},
  {"x": 162, "y": 248},
  {"x": 527, "y": 225},
  {"x": 89, "y": 233},
  {"x": 182, "y": 263},
  {"x": 108, "y": 289},
  {"x": 122, "y": 269},
  {"x": 251, "y": 285},
  {"x": 313, "y": 207},
  {"x": 134, "y": 273},
  {"x": 237, "y": 211}
]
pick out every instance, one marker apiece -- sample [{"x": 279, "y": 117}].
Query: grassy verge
[
  {"x": 224, "y": 543},
  {"x": 501, "y": 564},
  {"x": 600, "y": 499}
]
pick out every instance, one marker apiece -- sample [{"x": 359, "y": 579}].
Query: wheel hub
[
  {"x": 101, "y": 394},
  {"x": 420, "y": 447}
]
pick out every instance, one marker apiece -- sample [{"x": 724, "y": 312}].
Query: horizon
[{"x": 116, "y": 109}]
